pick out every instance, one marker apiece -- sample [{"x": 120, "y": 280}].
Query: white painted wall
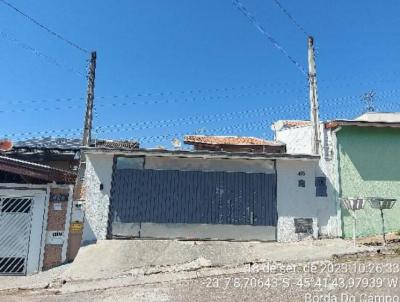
[
  {"x": 292, "y": 200},
  {"x": 299, "y": 141},
  {"x": 98, "y": 171},
  {"x": 200, "y": 164},
  {"x": 299, "y": 202}
]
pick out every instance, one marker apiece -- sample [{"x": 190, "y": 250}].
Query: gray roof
[
  {"x": 71, "y": 144},
  {"x": 57, "y": 143}
]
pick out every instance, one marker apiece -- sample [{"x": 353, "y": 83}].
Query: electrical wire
[
  {"x": 261, "y": 29},
  {"x": 44, "y": 27},
  {"x": 142, "y": 125},
  {"x": 325, "y": 84},
  {"x": 219, "y": 98},
  {"x": 38, "y": 53},
  {"x": 286, "y": 12}
]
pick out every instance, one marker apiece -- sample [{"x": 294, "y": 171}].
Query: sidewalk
[{"x": 125, "y": 262}]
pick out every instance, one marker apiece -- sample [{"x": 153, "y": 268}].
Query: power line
[
  {"x": 169, "y": 123},
  {"x": 285, "y": 11},
  {"x": 261, "y": 29},
  {"x": 52, "y": 32},
  {"x": 328, "y": 83},
  {"x": 142, "y": 125},
  {"x": 165, "y": 123},
  {"x": 219, "y": 98},
  {"x": 38, "y": 53}
]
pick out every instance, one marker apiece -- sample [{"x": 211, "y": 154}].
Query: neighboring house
[
  {"x": 42, "y": 173},
  {"x": 360, "y": 158},
  {"x": 202, "y": 194},
  {"x": 35, "y": 212},
  {"x": 234, "y": 144},
  {"x": 61, "y": 153}
]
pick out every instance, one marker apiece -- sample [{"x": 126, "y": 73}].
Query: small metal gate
[
  {"x": 15, "y": 228},
  {"x": 193, "y": 197}
]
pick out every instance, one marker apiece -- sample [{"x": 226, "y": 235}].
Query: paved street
[{"x": 345, "y": 279}]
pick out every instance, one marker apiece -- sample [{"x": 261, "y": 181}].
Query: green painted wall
[{"x": 369, "y": 165}]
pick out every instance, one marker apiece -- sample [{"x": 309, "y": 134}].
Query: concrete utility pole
[
  {"x": 87, "y": 128},
  {"x": 312, "y": 80}
]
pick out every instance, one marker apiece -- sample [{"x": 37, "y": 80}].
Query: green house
[{"x": 368, "y": 165}]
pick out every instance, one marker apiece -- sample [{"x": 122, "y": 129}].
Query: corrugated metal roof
[
  {"x": 229, "y": 140},
  {"x": 70, "y": 144},
  {"x": 35, "y": 170},
  {"x": 57, "y": 143}
]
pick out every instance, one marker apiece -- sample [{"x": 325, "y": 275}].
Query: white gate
[
  {"x": 21, "y": 230},
  {"x": 15, "y": 226}
]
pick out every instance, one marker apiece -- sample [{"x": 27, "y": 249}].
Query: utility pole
[
  {"x": 312, "y": 80},
  {"x": 87, "y": 128}
]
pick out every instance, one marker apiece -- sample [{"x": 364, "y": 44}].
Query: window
[
  {"x": 320, "y": 187},
  {"x": 16, "y": 205},
  {"x": 136, "y": 163}
]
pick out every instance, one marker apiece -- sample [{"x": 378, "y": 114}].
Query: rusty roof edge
[
  {"x": 202, "y": 153},
  {"x": 66, "y": 175},
  {"x": 342, "y": 122},
  {"x": 192, "y": 139}
]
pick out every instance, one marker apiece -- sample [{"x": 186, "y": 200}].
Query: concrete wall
[
  {"x": 301, "y": 202},
  {"x": 293, "y": 201},
  {"x": 298, "y": 140},
  {"x": 199, "y": 164},
  {"x": 98, "y": 171},
  {"x": 369, "y": 166}
]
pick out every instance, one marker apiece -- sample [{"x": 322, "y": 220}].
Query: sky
[{"x": 169, "y": 68}]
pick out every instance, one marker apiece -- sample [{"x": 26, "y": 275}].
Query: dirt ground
[{"x": 362, "y": 278}]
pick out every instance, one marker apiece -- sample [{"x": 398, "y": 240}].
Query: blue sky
[{"x": 166, "y": 68}]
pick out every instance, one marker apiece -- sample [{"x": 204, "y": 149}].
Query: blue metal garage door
[{"x": 194, "y": 197}]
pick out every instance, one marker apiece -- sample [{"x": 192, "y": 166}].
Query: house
[
  {"x": 56, "y": 154},
  {"x": 205, "y": 194},
  {"x": 35, "y": 213},
  {"x": 360, "y": 158},
  {"x": 234, "y": 144}
]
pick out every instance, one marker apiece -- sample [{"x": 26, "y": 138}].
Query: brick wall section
[
  {"x": 56, "y": 222},
  {"x": 52, "y": 256}
]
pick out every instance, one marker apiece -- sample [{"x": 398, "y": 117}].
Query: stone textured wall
[
  {"x": 287, "y": 230},
  {"x": 98, "y": 172},
  {"x": 369, "y": 165}
]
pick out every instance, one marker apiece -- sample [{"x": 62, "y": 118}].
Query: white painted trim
[
  {"x": 337, "y": 181},
  {"x": 27, "y": 186},
  {"x": 67, "y": 224},
  {"x": 44, "y": 228},
  {"x": 206, "y": 155},
  {"x": 194, "y": 231}
]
